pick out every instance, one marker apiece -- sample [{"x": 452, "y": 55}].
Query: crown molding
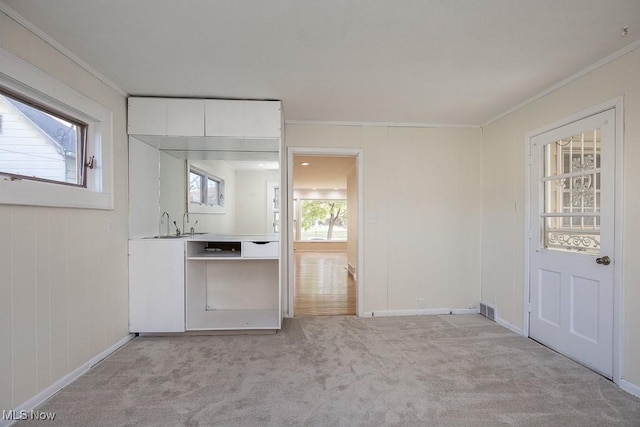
[
  {"x": 381, "y": 124},
  {"x": 601, "y": 63}
]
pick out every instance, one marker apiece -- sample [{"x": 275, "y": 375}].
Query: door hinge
[{"x": 529, "y": 307}]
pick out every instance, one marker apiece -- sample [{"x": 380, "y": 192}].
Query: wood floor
[{"x": 323, "y": 286}]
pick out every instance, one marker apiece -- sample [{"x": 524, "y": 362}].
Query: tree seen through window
[{"x": 324, "y": 220}]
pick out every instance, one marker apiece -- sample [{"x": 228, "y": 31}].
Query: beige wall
[
  {"x": 63, "y": 277},
  {"x": 421, "y": 185},
  {"x": 173, "y": 192},
  {"x": 144, "y": 190},
  {"x": 503, "y": 194},
  {"x": 251, "y": 201}
]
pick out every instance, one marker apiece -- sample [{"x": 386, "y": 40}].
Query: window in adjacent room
[
  {"x": 205, "y": 189},
  {"x": 323, "y": 219}
]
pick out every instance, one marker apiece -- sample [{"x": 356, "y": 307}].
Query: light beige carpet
[{"x": 459, "y": 370}]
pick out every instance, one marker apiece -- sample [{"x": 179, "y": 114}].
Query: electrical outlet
[
  {"x": 110, "y": 226},
  {"x": 420, "y": 303}
]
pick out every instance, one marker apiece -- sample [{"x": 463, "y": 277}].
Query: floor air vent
[{"x": 488, "y": 312}]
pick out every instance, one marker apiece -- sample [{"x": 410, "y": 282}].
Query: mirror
[{"x": 235, "y": 193}]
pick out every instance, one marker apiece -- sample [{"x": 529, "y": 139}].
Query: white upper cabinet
[
  {"x": 261, "y": 119},
  {"x": 185, "y": 117},
  {"x": 243, "y": 119},
  {"x": 166, "y": 116},
  {"x": 205, "y": 117},
  {"x": 223, "y": 118},
  {"x": 147, "y": 116}
]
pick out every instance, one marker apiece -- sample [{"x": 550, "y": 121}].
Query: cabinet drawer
[{"x": 260, "y": 249}]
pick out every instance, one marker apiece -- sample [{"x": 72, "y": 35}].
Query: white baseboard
[
  {"x": 424, "y": 312},
  {"x": 45, "y": 394},
  {"x": 500, "y": 321},
  {"x": 465, "y": 311},
  {"x": 630, "y": 388}
]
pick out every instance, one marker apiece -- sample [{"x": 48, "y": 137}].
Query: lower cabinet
[
  {"x": 156, "y": 286},
  {"x": 232, "y": 289},
  {"x": 178, "y": 285}
]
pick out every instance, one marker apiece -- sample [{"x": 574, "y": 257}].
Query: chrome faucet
[
  {"x": 184, "y": 227},
  {"x": 160, "y": 225}
]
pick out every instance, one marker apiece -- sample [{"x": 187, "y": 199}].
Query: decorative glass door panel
[
  {"x": 571, "y": 191},
  {"x": 571, "y": 272}
]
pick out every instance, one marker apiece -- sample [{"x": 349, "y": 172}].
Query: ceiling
[
  {"x": 322, "y": 172},
  {"x": 411, "y": 61}
]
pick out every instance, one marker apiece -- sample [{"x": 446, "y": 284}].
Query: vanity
[
  {"x": 205, "y": 283},
  {"x": 227, "y": 275}
]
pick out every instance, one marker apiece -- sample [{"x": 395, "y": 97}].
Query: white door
[{"x": 572, "y": 240}]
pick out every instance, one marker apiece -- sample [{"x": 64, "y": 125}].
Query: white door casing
[
  {"x": 287, "y": 218},
  {"x": 572, "y": 232}
]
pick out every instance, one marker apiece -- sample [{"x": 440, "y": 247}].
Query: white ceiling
[
  {"x": 322, "y": 172},
  {"x": 409, "y": 61}
]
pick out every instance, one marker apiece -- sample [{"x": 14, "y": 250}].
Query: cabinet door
[
  {"x": 261, "y": 119},
  {"x": 156, "y": 286},
  {"x": 185, "y": 117},
  {"x": 223, "y": 118},
  {"x": 147, "y": 116}
]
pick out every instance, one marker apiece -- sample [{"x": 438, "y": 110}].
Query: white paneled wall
[
  {"x": 421, "y": 208},
  {"x": 251, "y": 201},
  {"x": 63, "y": 300},
  {"x": 63, "y": 272},
  {"x": 503, "y": 177}
]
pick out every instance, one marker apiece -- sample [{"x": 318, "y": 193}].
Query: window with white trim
[
  {"x": 205, "y": 189},
  {"x": 77, "y": 141},
  {"x": 320, "y": 219},
  {"x": 41, "y": 144}
]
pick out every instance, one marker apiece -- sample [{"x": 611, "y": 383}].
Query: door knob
[{"x": 605, "y": 260}]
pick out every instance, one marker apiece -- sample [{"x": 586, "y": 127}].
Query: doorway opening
[{"x": 324, "y": 248}]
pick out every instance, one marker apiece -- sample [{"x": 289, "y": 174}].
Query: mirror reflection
[{"x": 221, "y": 191}]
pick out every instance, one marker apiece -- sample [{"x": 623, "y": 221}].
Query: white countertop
[{"x": 211, "y": 237}]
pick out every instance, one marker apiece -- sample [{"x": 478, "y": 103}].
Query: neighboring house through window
[
  {"x": 37, "y": 143},
  {"x": 56, "y": 144}
]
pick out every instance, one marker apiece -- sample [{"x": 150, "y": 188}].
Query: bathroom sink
[{"x": 181, "y": 236}]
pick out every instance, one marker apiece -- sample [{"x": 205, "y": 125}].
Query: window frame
[
  {"x": 81, "y": 144},
  {"x": 29, "y": 82},
  {"x": 299, "y": 196},
  {"x": 202, "y": 176},
  {"x": 203, "y": 206}
]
